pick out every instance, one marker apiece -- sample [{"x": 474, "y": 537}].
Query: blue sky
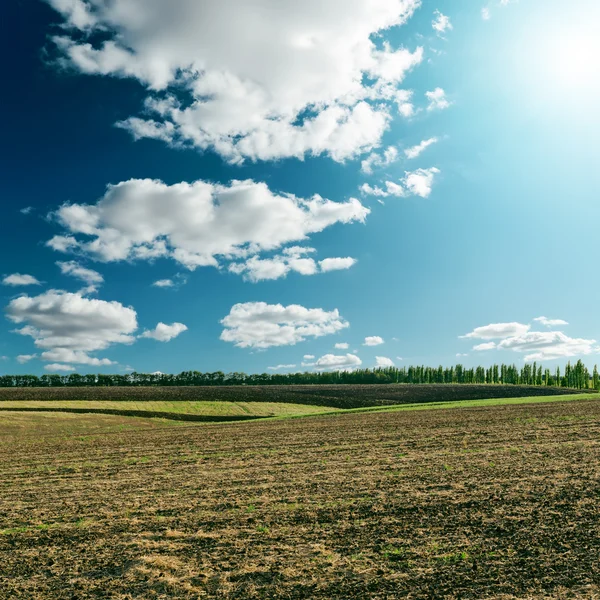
[{"x": 477, "y": 233}]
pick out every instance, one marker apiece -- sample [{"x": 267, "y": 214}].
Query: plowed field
[{"x": 494, "y": 502}]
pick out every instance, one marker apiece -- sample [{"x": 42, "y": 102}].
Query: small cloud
[
  {"x": 92, "y": 278},
  {"x": 27, "y": 210},
  {"x": 384, "y": 361},
  {"x": 486, "y": 14},
  {"x": 25, "y": 358},
  {"x": 164, "y": 333},
  {"x": 484, "y": 346},
  {"x": 175, "y": 282},
  {"x": 399, "y": 358},
  {"x": 497, "y": 331},
  {"x": 342, "y": 346},
  {"x": 437, "y": 99},
  {"x": 550, "y": 322},
  {"x": 373, "y": 340},
  {"x": 336, "y": 264},
  {"x": 441, "y": 23},
  {"x": 389, "y": 156},
  {"x": 20, "y": 279},
  {"x": 459, "y": 355},
  {"x": 164, "y": 283},
  {"x": 331, "y": 362},
  {"x": 281, "y": 367},
  {"x": 309, "y": 357},
  {"x": 417, "y": 150},
  {"x": 58, "y": 367}
]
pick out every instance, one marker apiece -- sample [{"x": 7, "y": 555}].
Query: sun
[{"x": 575, "y": 60}]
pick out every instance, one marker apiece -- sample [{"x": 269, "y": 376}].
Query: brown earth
[
  {"x": 495, "y": 502},
  {"x": 339, "y": 396}
]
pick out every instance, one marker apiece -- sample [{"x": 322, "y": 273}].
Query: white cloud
[
  {"x": 373, "y": 340},
  {"x": 437, "y": 99},
  {"x": 441, "y": 23},
  {"x": 548, "y": 345},
  {"x": 389, "y": 156},
  {"x": 336, "y": 264},
  {"x": 92, "y": 278},
  {"x": 420, "y": 182},
  {"x": 264, "y": 80},
  {"x": 550, "y": 322},
  {"x": 384, "y": 362},
  {"x": 164, "y": 333},
  {"x": 459, "y": 355},
  {"x": 198, "y": 224},
  {"x": 498, "y": 331},
  {"x": 27, "y": 210},
  {"x": 309, "y": 357},
  {"x": 486, "y": 14},
  {"x": 164, "y": 283},
  {"x": 417, "y": 150},
  {"x": 292, "y": 259},
  {"x": 342, "y": 346},
  {"x": 57, "y": 368},
  {"x": 71, "y": 325},
  {"x": 25, "y": 358},
  {"x": 66, "y": 355},
  {"x": 281, "y": 367},
  {"x": 365, "y": 188},
  {"x": 19, "y": 279},
  {"x": 414, "y": 183},
  {"x": 332, "y": 362},
  {"x": 261, "y": 325},
  {"x": 485, "y": 346}
]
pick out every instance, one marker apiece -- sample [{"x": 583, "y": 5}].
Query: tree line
[{"x": 574, "y": 376}]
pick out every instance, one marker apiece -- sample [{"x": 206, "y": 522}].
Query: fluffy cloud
[
  {"x": 54, "y": 368},
  {"x": 164, "y": 333},
  {"x": 92, "y": 278},
  {"x": 164, "y": 283},
  {"x": 383, "y": 362},
  {"x": 332, "y": 362},
  {"x": 69, "y": 326},
  {"x": 414, "y": 183},
  {"x": 441, "y": 23},
  {"x": 417, "y": 150},
  {"x": 309, "y": 357},
  {"x": 66, "y": 355},
  {"x": 18, "y": 279},
  {"x": 342, "y": 346},
  {"x": 548, "y": 345},
  {"x": 261, "y": 80},
  {"x": 336, "y": 264},
  {"x": 485, "y": 346},
  {"x": 498, "y": 331},
  {"x": 292, "y": 259},
  {"x": 373, "y": 340},
  {"x": 25, "y": 358},
  {"x": 437, "y": 99},
  {"x": 550, "y": 322},
  {"x": 420, "y": 182},
  {"x": 261, "y": 325},
  {"x": 389, "y": 156},
  {"x": 281, "y": 367},
  {"x": 537, "y": 345},
  {"x": 197, "y": 224}
]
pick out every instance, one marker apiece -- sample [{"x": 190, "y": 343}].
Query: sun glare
[{"x": 575, "y": 60}]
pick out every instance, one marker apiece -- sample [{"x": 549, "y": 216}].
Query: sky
[{"x": 252, "y": 186}]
